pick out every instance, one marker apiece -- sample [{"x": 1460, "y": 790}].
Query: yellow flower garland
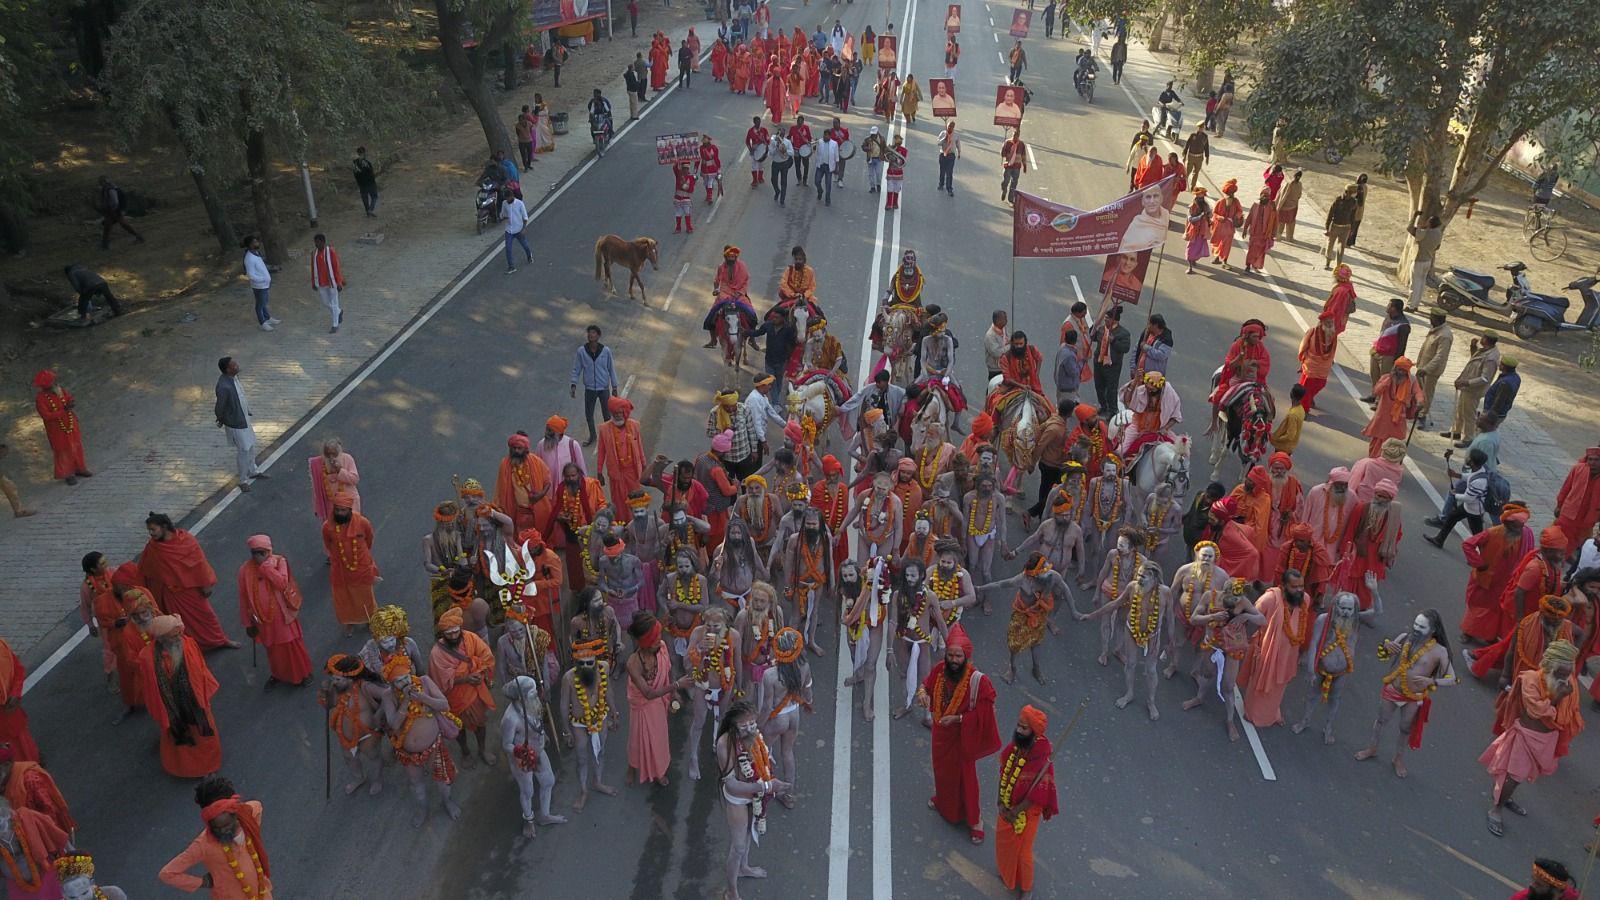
[
  {"x": 1343, "y": 647},
  {"x": 1189, "y": 592},
  {"x": 1104, "y": 525},
  {"x": 233, "y": 863},
  {"x": 972, "y": 518},
  {"x": 1142, "y": 625},
  {"x": 1010, "y": 773},
  {"x": 594, "y": 717}
]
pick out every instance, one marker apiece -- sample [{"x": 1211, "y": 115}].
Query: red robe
[
  {"x": 1239, "y": 556},
  {"x": 1013, "y": 852},
  {"x": 1577, "y": 504},
  {"x": 957, "y": 748},
  {"x": 1226, "y": 216},
  {"x": 719, "y": 60},
  {"x": 13, "y": 718},
  {"x": 31, "y": 787},
  {"x": 1240, "y": 353},
  {"x": 775, "y": 92},
  {"x": 619, "y": 455},
  {"x": 269, "y": 602},
  {"x": 177, "y": 572},
  {"x": 587, "y": 499},
  {"x": 515, "y": 487},
  {"x": 1493, "y": 560},
  {"x": 658, "y": 65},
  {"x": 1536, "y": 579},
  {"x": 1360, "y": 553},
  {"x": 1260, "y": 225},
  {"x": 63, "y": 430},
  {"x": 202, "y": 755}
]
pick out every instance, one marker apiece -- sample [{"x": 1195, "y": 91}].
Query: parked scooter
[
  {"x": 1467, "y": 287},
  {"x": 1533, "y": 313}
]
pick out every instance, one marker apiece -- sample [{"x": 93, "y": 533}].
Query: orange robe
[
  {"x": 1023, "y": 371},
  {"x": 574, "y": 510},
  {"x": 31, "y": 787},
  {"x": 1239, "y": 556},
  {"x": 351, "y": 570},
  {"x": 1284, "y": 511},
  {"x": 1013, "y": 852},
  {"x": 620, "y": 457},
  {"x": 1261, "y": 223},
  {"x": 201, "y": 752},
  {"x": 63, "y": 430},
  {"x": 269, "y": 601},
  {"x": 180, "y": 578},
  {"x": 1256, "y": 509},
  {"x": 1275, "y": 656},
  {"x": 251, "y": 881},
  {"x": 516, "y": 485},
  {"x": 1398, "y": 402},
  {"x": 1530, "y": 644},
  {"x": 13, "y": 718},
  {"x": 449, "y": 669},
  {"x": 1520, "y": 752},
  {"x": 1578, "y": 504},
  {"x": 1224, "y": 219},
  {"x": 111, "y": 617},
  {"x": 1493, "y": 559},
  {"x": 45, "y": 843}
]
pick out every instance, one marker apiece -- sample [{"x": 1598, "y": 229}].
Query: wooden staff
[{"x": 1056, "y": 748}]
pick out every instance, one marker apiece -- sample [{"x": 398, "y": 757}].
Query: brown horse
[{"x": 633, "y": 254}]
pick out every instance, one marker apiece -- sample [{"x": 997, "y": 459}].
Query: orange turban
[
  {"x": 1230, "y": 186},
  {"x": 1300, "y": 531},
  {"x": 1280, "y": 458},
  {"x": 127, "y": 575},
  {"x": 1034, "y": 718},
  {"x": 831, "y": 465},
  {"x": 1083, "y": 412},
  {"x": 519, "y": 441},
  {"x": 395, "y": 666},
  {"x": 1404, "y": 364},
  {"x": 258, "y": 542},
  {"x": 558, "y": 424},
  {"x": 344, "y": 499},
  {"x": 452, "y": 618},
  {"x": 619, "y": 406},
  {"x": 1552, "y": 538},
  {"x": 530, "y": 536},
  {"x": 1515, "y": 512},
  {"x": 983, "y": 425}
]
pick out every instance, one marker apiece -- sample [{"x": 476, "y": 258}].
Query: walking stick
[
  {"x": 327, "y": 760},
  {"x": 1594, "y": 845},
  {"x": 1054, "y": 749}
]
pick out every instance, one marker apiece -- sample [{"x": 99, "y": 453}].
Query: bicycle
[{"x": 1547, "y": 241}]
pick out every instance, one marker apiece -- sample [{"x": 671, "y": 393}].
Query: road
[{"x": 1152, "y": 808}]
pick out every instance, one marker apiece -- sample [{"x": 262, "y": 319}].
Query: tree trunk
[
  {"x": 1156, "y": 30},
  {"x": 510, "y": 61},
  {"x": 255, "y": 161},
  {"x": 221, "y": 225},
  {"x": 470, "y": 79},
  {"x": 1203, "y": 80}
]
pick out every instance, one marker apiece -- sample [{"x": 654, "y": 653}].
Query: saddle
[
  {"x": 1142, "y": 444},
  {"x": 1234, "y": 391}
]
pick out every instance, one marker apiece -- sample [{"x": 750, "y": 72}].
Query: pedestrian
[
  {"x": 1197, "y": 228},
  {"x": 63, "y": 430},
  {"x": 1317, "y": 350},
  {"x": 327, "y": 279},
  {"x": 800, "y": 138},
  {"x": 685, "y": 64},
  {"x": 1394, "y": 334},
  {"x": 89, "y": 285},
  {"x": 347, "y": 539},
  {"x": 14, "y": 731},
  {"x": 780, "y": 155},
  {"x": 1110, "y": 344},
  {"x": 633, "y": 18},
  {"x": 840, "y": 134},
  {"x": 1273, "y": 177},
  {"x": 960, "y": 700},
  {"x": 949, "y": 152},
  {"x": 1577, "y": 505},
  {"x": 996, "y": 341},
  {"x": 1398, "y": 402},
  {"x": 952, "y": 56},
  {"x": 113, "y": 207},
  {"x": 1433, "y": 356},
  {"x": 255, "y": 269},
  {"x": 1224, "y": 108},
  {"x": 1259, "y": 226},
  {"x": 1013, "y": 162},
  {"x": 1211, "y": 111},
  {"x": 1286, "y": 436},
  {"x": 1361, "y": 208},
  {"x": 9, "y": 488},
  {"x": 1497, "y": 402},
  {"x": 558, "y": 58},
  {"x": 1471, "y": 383},
  {"x": 1196, "y": 153},
  {"x": 635, "y": 89},
  {"x": 827, "y": 163},
  {"x": 1068, "y": 371},
  {"x": 1027, "y": 790},
  {"x": 594, "y": 368},
  {"x": 895, "y": 160},
  {"x": 683, "y": 181},
  {"x": 1336, "y": 228},
  {"x": 269, "y": 610},
  {"x": 1119, "y": 58},
  {"x": 641, "y": 74},
  {"x": 1050, "y": 19},
  {"x": 1289, "y": 206},
  {"x": 873, "y": 148},
  {"x": 1018, "y": 59},
  {"x": 181, "y": 581},
  {"x": 910, "y": 96},
  {"x": 524, "y": 131},
  {"x": 516, "y": 219},
  {"x": 228, "y": 847},
  {"x": 1225, "y": 218},
  {"x": 366, "y": 182},
  {"x": 233, "y": 417},
  {"x": 1425, "y": 239}
]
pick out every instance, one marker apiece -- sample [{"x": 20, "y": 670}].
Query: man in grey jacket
[{"x": 233, "y": 417}]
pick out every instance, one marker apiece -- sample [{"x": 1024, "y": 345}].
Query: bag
[{"x": 1498, "y": 494}]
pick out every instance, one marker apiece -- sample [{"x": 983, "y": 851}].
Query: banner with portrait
[
  {"x": 1020, "y": 20},
  {"x": 952, "y": 19},
  {"x": 1009, "y": 104},
  {"x": 888, "y": 51},
  {"x": 942, "y": 97},
  {"x": 676, "y": 148},
  {"x": 1129, "y": 224},
  {"x": 1124, "y": 275}
]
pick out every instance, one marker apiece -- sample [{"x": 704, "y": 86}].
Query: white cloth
[
  {"x": 330, "y": 299},
  {"x": 244, "y": 445},
  {"x": 516, "y": 216},
  {"x": 762, "y": 411},
  {"x": 255, "y": 268},
  {"x": 828, "y": 154},
  {"x": 911, "y": 670},
  {"x": 1589, "y": 556}
]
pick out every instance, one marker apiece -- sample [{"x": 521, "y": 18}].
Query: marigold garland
[
  {"x": 1141, "y": 624},
  {"x": 593, "y": 718},
  {"x": 1105, "y": 524},
  {"x": 972, "y": 518},
  {"x": 233, "y": 863},
  {"x": 1396, "y": 677}
]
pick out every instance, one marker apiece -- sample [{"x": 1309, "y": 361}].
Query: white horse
[
  {"x": 1016, "y": 428},
  {"x": 898, "y": 325},
  {"x": 1164, "y": 463},
  {"x": 813, "y": 403}
]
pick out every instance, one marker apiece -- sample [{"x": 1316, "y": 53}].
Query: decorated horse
[
  {"x": 799, "y": 314},
  {"x": 634, "y": 254},
  {"x": 814, "y": 400},
  {"x": 894, "y": 337},
  {"x": 1241, "y": 421},
  {"x": 1018, "y": 413},
  {"x": 943, "y": 401},
  {"x": 731, "y": 322},
  {"x": 1159, "y": 458}
]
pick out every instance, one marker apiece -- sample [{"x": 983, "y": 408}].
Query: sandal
[
  {"x": 1496, "y": 827},
  {"x": 975, "y": 835},
  {"x": 1514, "y": 806}
]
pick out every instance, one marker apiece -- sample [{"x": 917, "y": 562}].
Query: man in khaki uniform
[
  {"x": 1433, "y": 356},
  {"x": 1471, "y": 385}
]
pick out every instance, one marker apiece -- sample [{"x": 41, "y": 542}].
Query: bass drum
[
  {"x": 759, "y": 153},
  {"x": 846, "y": 149},
  {"x": 804, "y": 151}
]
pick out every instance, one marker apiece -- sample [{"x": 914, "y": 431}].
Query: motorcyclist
[
  {"x": 1168, "y": 101},
  {"x": 1085, "y": 63}
]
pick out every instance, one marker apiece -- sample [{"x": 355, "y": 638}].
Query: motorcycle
[
  {"x": 1085, "y": 84},
  {"x": 1168, "y": 118},
  {"x": 1533, "y": 313},
  {"x": 488, "y": 204},
  {"x": 600, "y": 131},
  {"x": 1471, "y": 288}
]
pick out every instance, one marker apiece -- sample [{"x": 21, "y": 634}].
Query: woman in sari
[
  {"x": 544, "y": 133},
  {"x": 1197, "y": 229}
]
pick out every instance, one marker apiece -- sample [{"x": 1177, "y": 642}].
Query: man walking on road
[
  {"x": 233, "y": 417},
  {"x": 516, "y": 217},
  {"x": 1196, "y": 153},
  {"x": 255, "y": 268},
  {"x": 685, "y": 62},
  {"x": 327, "y": 279},
  {"x": 593, "y": 367},
  {"x": 1013, "y": 162},
  {"x": 1433, "y": 356},
  {"x": 781, "y": 153},
  {"x": 1111, "y": 343},
  {"x": 949, "y": 152},
  {"x": 1341, "y": 218},
  {"x": 1018, "y": 60},
  {"x": 827, "y": 164}
]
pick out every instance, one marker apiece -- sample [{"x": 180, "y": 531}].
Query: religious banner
[
  {"x": 676, "y": 148},
  {"x": 1008, "y": 105},
  {"x": 888, "y": 44},
  {"x": 1124, "y": 275},
  {"x": 1020, "y": 20},
  {"x": 952, "y": 19},
  {"x": 545, "y": 14},
  {"x": 942, "y": 95},
  {"x": 1129, "y": 224}
]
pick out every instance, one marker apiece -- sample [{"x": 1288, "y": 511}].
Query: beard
[
  {"x": 587, "y": 675},
  {"x": 452, "y": 642},
  {"x": 1023, "y": 741},
  {"x": 341, "y": 518},
  {"x": 954, "y": 670}
]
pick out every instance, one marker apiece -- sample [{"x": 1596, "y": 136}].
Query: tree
[
  {"x": 25, "y": 80},
  {"x": 234, "y": 78},
  {"x": 1442, "y": 90},
  {"x": 494, "y": 22}
]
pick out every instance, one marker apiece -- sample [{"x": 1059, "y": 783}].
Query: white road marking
[
  {"x": 286, "y": 444},
  {"x": 1254, "y": 739},
  {"x": 1002, "y": 57},
  {"x": 675, "y": 282},
  {"x": 626, "y": 387},
  {"x": 839, "y": 827},
  {"x": 994, "y": 36},
  {"x": 1075, "y": 289},
  {"x": 1032, "y": 163}
]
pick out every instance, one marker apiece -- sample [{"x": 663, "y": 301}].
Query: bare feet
[
  {"x": 1233, "y": 732},
  {"x": 1151, "y": 708},
  {"x": 1366, "y": 753},
  {"x": 1102, "y": 659},
  {"x": 1124, "y": 700},
  {"x": 900, "y": 713},
  {"x": 453, "y": 808},
  {"x": 988, "y": 609},
  {"x": 1169, "y": 671},
  {"x": 1010, "y": 676},
  {"x": 853, "y": 679},
  {"x": 694, "y": 769},
  {"x": 527, "y": 830},
  {"x": 350, "y": 787},
  {"x": 1298, "y": 727},
  {"x": 752, "y": 872},
  {"x": 817, "y": 649},
  {"x": 418, "y": 817},
  {"x": 466, "y": 760},
  {"x": 577, "y": 805},
  {"x": 552, "y": 820},
  {"x": 1327, "y": 738},
  {"x": 1038, "y": 675},
  {"x": 232, "y": 645},
  {"x": 867, "y": 715},
  {"x": 24, "y": 513},
  {"x": 606, "y": 789},
  {"x": 349, "y": 630},
  {"x": 1400, "y": 769},
  {"x": 1193, "y": 702},
  {"x": 488, "y": 757},
  {"x": 374, "y": 788}
]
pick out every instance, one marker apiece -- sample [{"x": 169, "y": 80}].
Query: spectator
[
  {"x": 1427, "y": 239},
  {"x": 633, "y": 18},
  {"x": 558, "y": 58},
  {"x": 1469, "y": 490},
  {"x": 516, "y": 219},
  {"x": 1394, "y": 334},
  {"x": 1470, "y": 385},
  {"x": 524, "y": 130},
  {"x": 1341, "y": 219},
  {"x": 233, "y": 417},
  {"x": 995, "y": 343},
  {"x": 327, "y": 279},
  {"x": 593, "y": 367},
  {"x": 1069, "y": 371},
  {"x": 1110, "y": 344},
  {"x": 685, "y": 63},
  {"x": 1497, "y": 402},
  {"x": 9, "y": 488},
  {"x": 255, "y": 268},
  {"x": 90, "y": 285},
  {"x": 635, "y": 87},
  {"x": 113, "y": 206},
  {"x": 366, "y": 182}
]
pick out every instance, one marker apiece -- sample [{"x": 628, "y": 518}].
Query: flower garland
[
  {"x": 1116, "y": 571},
  {"x": 972, "y": 518},
  {"x": 519, "y": 474},
  {"x": 927, "y": 474},
  {"x": 1142, "y": 624},
  {"x": 1301, "y": 639},
  {"x": 1009, "y": 773},
  {"x": 1152, "y": 535},
  {"x": 593, "y": 717},
  {"x": 1303, "y": 565},
  {"x": 1396, "y": 677},
  {"x": 1104, "y": 525},
  {"x": 343, "y": 539},
  {"x": 947, "y": 590},
  {"x": 586, "y": 554},
  {"x": 755, "y": 765},
  {"x": 764, "y": 520},
  {"x": 958, "y": 694},
  {"x": 835, "y": 504},
  {"x": 691, "y": 597},
  {"x": 69, "y": 422},
  {"x": 715, "y": 661},
  {"x": 1343, "y": 646},
  {"x": 36, "y": 877},
  {"x": 761, "y": 647},
  {"x": 1187, "y": 600},
  {"x": 414, "y": 709},
  {"x": 233, "y": 863},
  {"x": 913, "y": 621}
]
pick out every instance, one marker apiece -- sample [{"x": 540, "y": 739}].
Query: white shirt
[
  {"x": 1589, "y": 556},
  {"x": 780, "y": 149},
  {"x": 762, "y": 411},
  {"x": 244, "y": 404},
  {"x": 1475, "y": 486},
  {"x": 516, "y": 216},
  {"x": 828, "y": 153},
  {"x": 255, "y": 268}
]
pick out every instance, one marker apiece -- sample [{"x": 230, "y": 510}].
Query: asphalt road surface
[{"x": 1148, "y": 808}]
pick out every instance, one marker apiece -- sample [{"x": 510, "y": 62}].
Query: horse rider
[{"x": 732, "y": 283}]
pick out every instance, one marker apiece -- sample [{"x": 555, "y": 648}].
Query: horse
[
  {"x": 633, "y": 254},
  {"x": 894, "y": 335},
  {"x": 813, "y": 404},
  {"x": 1018, "y": 412},
  {"x": 1160, "y": 461},
  {"x": 1241, "y": 421}
]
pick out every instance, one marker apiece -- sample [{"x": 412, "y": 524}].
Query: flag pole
[
  {"x": 1156, "y": 282},
  {"x": 1013, "y": 282}
]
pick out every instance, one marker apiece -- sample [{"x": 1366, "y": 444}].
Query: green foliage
[
  {"x": 1206, "y": 32},
  {"x": 24, "y": 80}
]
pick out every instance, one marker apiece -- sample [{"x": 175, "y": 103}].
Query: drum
[
  {"x": 846, "y": 149},
  {"x": 759, "y": 153},
  {"x": 804, "y": 151},
  {"x": 894, "y": 158}
]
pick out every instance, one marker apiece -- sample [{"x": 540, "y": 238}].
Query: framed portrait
[
  {"x": 942, "y": 96},
  {"x": 952, "y": 19},
  {"x": 1008, "y": 105},
  {"x": 1020, "y": 20},
  {"x": 888, "y": 51}
]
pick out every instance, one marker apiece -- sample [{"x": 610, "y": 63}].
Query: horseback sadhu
[
  {"x": 731, "y": 314},
  {"x": 896, "y": 329}
]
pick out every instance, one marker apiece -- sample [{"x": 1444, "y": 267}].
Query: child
[
  {"x": 1211, "y": 110},
  {"x": 1286, "y": 436}
]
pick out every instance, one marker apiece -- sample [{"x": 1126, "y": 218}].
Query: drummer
[
  {"x": 755, "y": 141},
  {"x": 800, "y": 137},
  {"x": 840, "y": 134}
]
